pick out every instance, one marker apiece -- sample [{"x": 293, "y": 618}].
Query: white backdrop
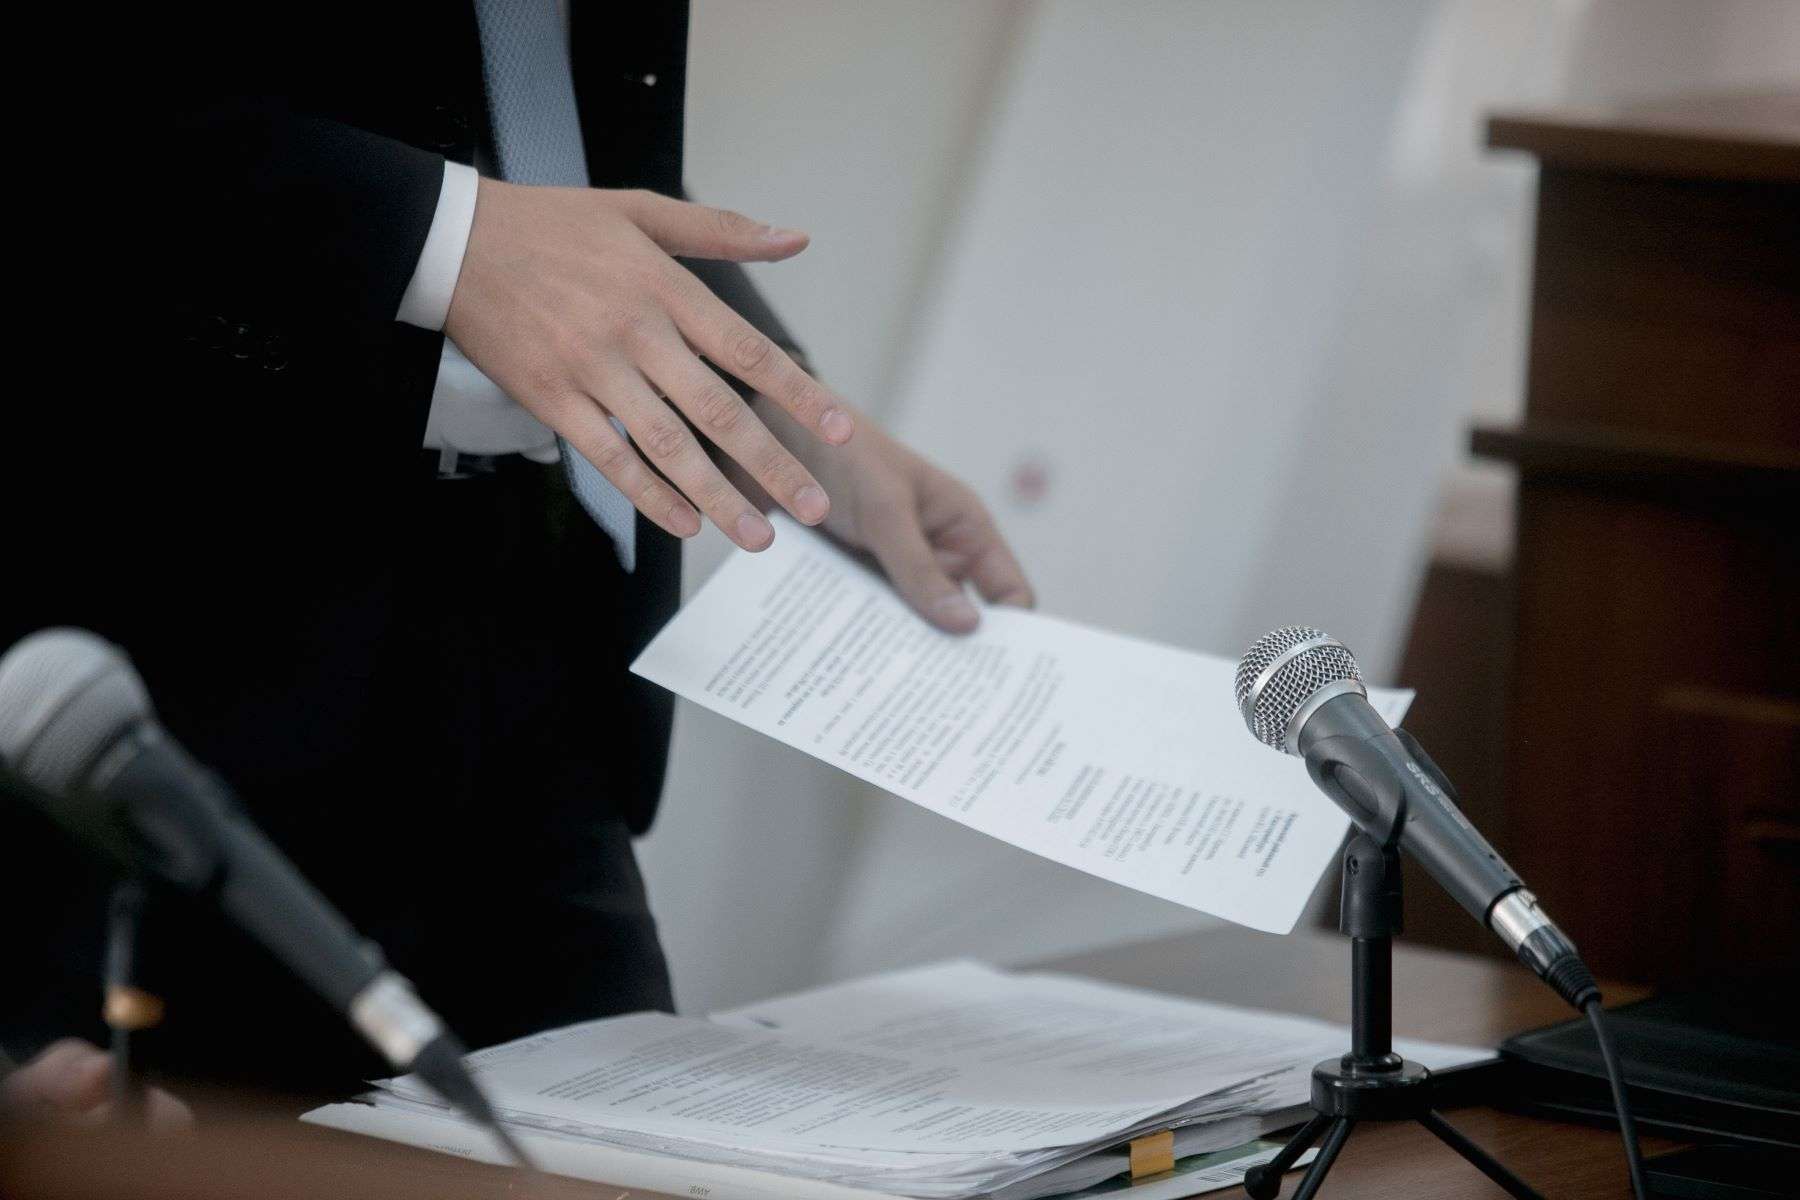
[
  {"x": 851, "y": 121},
  {"x": 1220, "y": 280}
]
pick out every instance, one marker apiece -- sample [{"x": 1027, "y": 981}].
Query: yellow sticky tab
[{"x": 1152, "y": 1154}]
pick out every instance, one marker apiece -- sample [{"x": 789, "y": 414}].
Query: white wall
[
  {"x": 1635, "y": 49},
  {"x": 1229, "y": 276},
  {"x": 849, "y": 121},
  {"x": 1135, "y": 301},
  {"x": 852, "y": 122}
]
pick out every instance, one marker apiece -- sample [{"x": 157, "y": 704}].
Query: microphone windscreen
[
  {"x": 1283, "y": 670},
  {"x": 65, "y": 695}
]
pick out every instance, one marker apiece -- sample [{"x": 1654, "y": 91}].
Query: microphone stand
[
  {"x": 127, "y": 1008},
  {"x": 1371, "y": 1083}
]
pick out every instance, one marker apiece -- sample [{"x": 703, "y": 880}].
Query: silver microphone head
[
  {"x": 65, "y": 696},
  {"x": 1285, "y": 676}
]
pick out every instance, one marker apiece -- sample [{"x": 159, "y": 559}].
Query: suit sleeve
[{"x": 272, "y": 209}]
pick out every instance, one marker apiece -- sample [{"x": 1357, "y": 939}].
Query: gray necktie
[{"x": 537, "y": 139}]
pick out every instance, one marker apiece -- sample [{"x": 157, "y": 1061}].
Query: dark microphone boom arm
[{"x": 77, "y": 726}]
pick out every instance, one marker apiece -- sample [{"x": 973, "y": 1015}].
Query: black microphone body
[
  {"x": 1301, "y": 691},
  {"x": 77, "y": 728},
  {"x": 159, "y": 812},
  {"x": 1362, "y": 763}
]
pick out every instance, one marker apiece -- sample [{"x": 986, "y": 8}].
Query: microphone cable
[
  {"x": 1552, "y": 957},
  {"x": 1615, "y": 1075}
]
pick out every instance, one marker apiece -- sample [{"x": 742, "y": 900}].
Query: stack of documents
[{"x": 947, "y": 1081}]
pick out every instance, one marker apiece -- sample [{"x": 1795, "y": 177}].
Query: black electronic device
[
  {"x": 1703, "y": 1067},
  {"x": 1724, "y": 1172}
]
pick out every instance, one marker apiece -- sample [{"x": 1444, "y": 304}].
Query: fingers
[
  {"x": 584, "y": 423},
  {"x": 995, "y": 571},
  {"x": 968, "y": 542},
  {"x": 898, "y": 542},
  {"x": 735, "y": 345},
  {"x": 73, "y": 1078},
  {"x": 722, "y": 416},
  {"x": 664, "y": 438},
  {"x": 69, "y": 1077},
  {"x": 694, "y": 230}
]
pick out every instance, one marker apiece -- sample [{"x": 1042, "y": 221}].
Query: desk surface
[{"x": 1437, "y": 995}]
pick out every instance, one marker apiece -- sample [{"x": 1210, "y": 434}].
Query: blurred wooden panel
[
  {"x": 1663, "y": 306},
  {"x": 1735, "y": 763},
  {"x": 1621, "y": 600},
  {"x": 1657, "y": 610}
]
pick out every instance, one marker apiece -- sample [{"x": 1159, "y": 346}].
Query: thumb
[
  {"x": 898, "y": 543},
  {"x": 695, "y": 231}
]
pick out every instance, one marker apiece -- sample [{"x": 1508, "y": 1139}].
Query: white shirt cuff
[{"x": 427, "y": 299}]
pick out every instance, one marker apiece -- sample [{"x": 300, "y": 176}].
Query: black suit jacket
[{"x": 225, "y": 454}]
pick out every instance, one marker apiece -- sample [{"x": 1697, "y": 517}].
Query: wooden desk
[
  {"x": 245, "y": 1152},
  {"x": 1438, "y": 995}
]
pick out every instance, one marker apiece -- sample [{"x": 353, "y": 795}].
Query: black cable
[{"x": 1615, "y": 1075}]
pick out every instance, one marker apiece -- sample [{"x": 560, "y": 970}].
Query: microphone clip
[{"x": 1371, "y": 902}]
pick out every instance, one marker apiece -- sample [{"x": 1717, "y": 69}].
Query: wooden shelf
[
  {"x": 1603, "y": 457},
  {"x": 1743, "y": 136}
]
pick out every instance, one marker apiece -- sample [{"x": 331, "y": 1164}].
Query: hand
[
  {"x": 928, "y": 531},
  {"x": 73, "y": 1079},
  {"x": 570, "y": 301}
]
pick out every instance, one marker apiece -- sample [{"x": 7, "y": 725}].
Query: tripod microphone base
[
  {"x": 1341, "y": 1087},
  {"x": 1344, "y": 1091},
  {"x": 1371, "y": 1083},
  {"x": 1404, "y": 1100}
]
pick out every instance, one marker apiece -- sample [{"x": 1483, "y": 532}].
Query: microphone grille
[
  {"x": 1283, "y": 670},
  {"x": 65, "y": 695}
]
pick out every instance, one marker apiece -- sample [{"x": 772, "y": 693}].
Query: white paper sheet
[{"x": 1116, "y": 756}]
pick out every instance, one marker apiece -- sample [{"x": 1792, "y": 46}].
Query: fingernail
[
  {"x": 810, "y": 504},
  {"x": 685, "y": 520},
  {"x": 773, "y": 234},
  {"x": 955, "y": 611},
  {"x": 836, "y": 425},
  {"x": 754, "y": 533}
]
